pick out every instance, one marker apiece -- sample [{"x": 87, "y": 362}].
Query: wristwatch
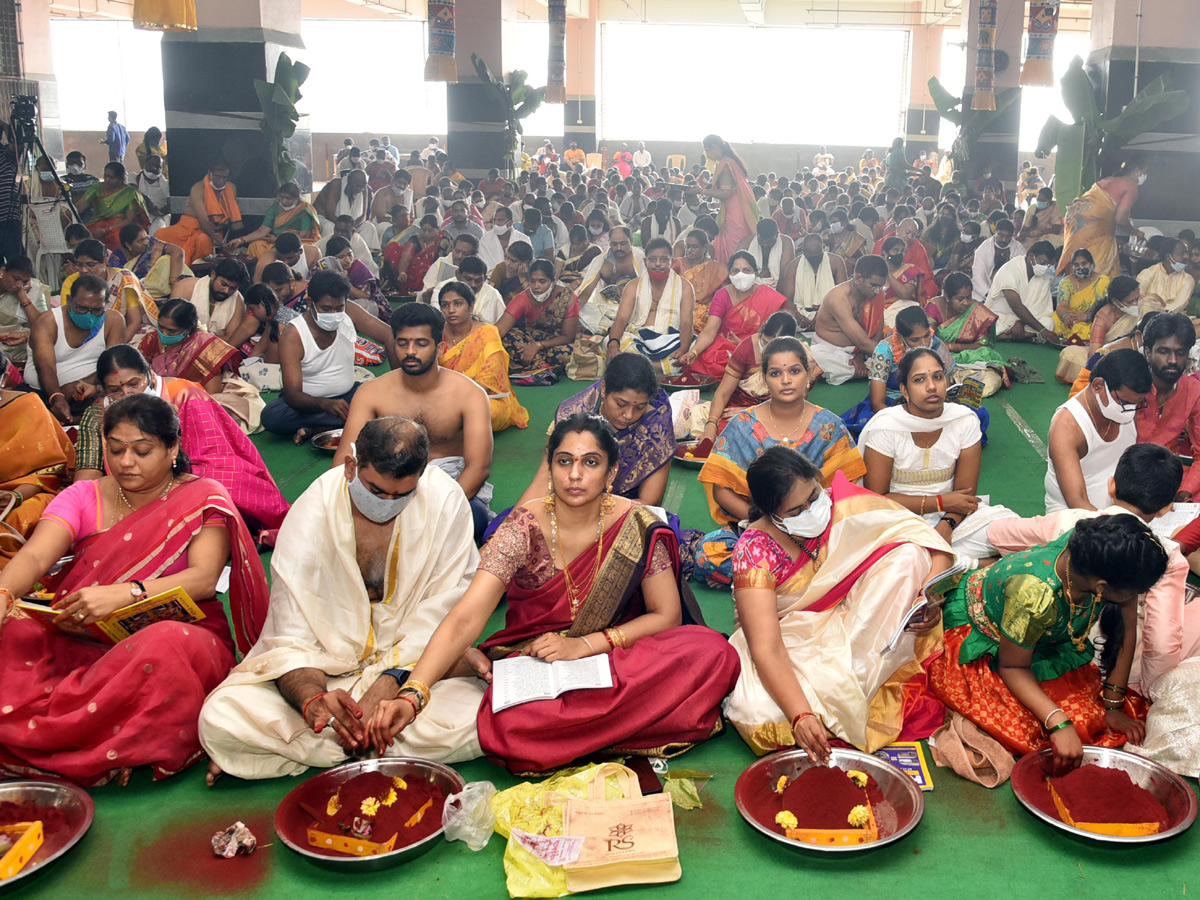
[{"x": 137, "y": 590}]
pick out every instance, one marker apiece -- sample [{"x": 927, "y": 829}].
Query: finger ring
[
  {"x": 80, "y": 616},
  {"x": 332, "y": 721}
]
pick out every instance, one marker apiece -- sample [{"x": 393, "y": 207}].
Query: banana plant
[
  {"x": 278, "y": 100},
  {"x": 516, "y": 101},
  {"x": 972, "y": 123},
  {"x": 1094, "y": 138}
]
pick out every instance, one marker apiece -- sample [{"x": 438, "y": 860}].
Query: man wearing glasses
[
  {"x": 842, "y": 345},
  {"x": 65, "y": 345},
  {"x": 1090, "y": 431}
]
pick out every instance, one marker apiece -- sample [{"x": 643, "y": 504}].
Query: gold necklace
[
  {"x": 574, "y": 597},
  {"x": 1078, "y": 640},
  {"x": 775, "y": 422},
  {"x": 121, "y": 498}
]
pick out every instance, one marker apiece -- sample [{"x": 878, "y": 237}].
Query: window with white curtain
[
  {"x": 747, "y": 84},
  {"x": 369, "y": 77},
  {"x": 101, "y": 65}
]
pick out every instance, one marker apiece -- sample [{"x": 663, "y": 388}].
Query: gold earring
[
  {"x": 549, "y": 498},
  {"x": 608, "y": 504}
]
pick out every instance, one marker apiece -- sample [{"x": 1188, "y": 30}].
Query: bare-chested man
[
  {"x": 212, "y": 212},
  {"x": 842, "y": 345},
  {"x": 622, "y": 262},
  {"x": 453, "y": 409},
  {"x": 811, "y": 276}
]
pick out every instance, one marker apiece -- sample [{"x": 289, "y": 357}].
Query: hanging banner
[
  {"x": 164, "y": 15},
  {"x": 1038, "y": 70},
  {"x": 985, "y": 57},
  {"x": 440, "y": 65},
  {"x": 556, "y": 84}
]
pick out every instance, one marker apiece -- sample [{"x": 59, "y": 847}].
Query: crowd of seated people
[{"x": 130, "y": 395}]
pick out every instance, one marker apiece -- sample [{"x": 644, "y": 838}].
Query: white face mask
[
  {"x": 75, "y": 169},
  {"x": 811, "y": 523},
  {"x": 965, "y": 237},
  {"x": 742, "y": 281},
  {"x": 835, "y": 228},
  {"x": 288, "y": 206},
  {"x": 1040, "y": 270},
  {"x": 502, "y": 230},
  {"x": 596, "y": 230},
  {"x": 1142, "y": 178},
  {"x": 152, "y": 176},
  {"x": 377, "y": 509},
  {"x": 541, "y": 298},
  {"x": 1112, "y": 410},
  {"x": 329, "y": 321}
]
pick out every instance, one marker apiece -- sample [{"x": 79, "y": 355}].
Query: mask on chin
[{"x": 377, "y": 509}]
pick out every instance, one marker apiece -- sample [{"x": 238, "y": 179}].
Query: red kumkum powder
[
  {"x": 1099, "y": 795},
  {"x": 822, "y": 797}
]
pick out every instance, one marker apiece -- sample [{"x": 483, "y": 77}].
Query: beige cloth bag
[{"x": 630, "y": 841}]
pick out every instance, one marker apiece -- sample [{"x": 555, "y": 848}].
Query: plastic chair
[
  {"x": 676, "y": 161},
  {"x": 595, "y": 161}
]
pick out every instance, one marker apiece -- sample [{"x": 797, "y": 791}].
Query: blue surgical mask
[
  {"x": 1043, "y": 204},
  {"x": 1178, "y": 266},
  {"x": 168, "y": 340},
  {"x": 89, "y": 322}
]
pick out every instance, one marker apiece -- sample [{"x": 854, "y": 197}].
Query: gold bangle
[
  {"x": 923, "y": 499},
  {"x": 621, "y": 635},
  {"x": 421, "y": 688}
]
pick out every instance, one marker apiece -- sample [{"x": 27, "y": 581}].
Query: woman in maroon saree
[
  {"x": 89, "y": 712},
  {"x": 620, "y": 595}
]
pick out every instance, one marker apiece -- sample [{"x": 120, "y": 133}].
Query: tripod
[{"x": 27, "y": 141}]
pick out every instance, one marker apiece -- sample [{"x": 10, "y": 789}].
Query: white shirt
[
  {"x": 156, "y": 192},
  {"x": 358, "y": 246},
  {"x": 1034, "y": 292},
  {"x": 489, "y": 305},
  {"x": 642, "y": 158}
]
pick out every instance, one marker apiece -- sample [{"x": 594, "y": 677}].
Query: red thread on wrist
[{"x": 304, "y": 711}]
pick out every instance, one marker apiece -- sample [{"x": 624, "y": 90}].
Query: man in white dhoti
[
  {"x": 370, "y": 560},
  {"x": 658, "y": 300}
]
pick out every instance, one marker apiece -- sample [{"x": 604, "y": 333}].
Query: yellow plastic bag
[{"x": 537, "y": 809}]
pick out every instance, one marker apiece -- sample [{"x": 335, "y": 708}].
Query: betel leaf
[{"x": 683, "y": 793}]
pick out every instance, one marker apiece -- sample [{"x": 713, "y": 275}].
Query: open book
[
  {"x": 523, "y": 678},
  {"x": 170, "y": 606},
  {"x": 933, "y": 596},
  {"x": 1181, "y": 514}
]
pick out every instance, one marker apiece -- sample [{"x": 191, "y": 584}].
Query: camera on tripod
[{"x": 24, "y": 119}]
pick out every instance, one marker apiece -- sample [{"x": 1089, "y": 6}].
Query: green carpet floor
[{"x": 151, "y": 840}]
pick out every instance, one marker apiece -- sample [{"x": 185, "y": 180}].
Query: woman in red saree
[
  {"x": 407, "y": 263},
  {"x": 89, "y": 712},
  {"x": 618, "y": 593},
  {"x": 737, "y": 311},
  {"x": 739, "y": 211},
  {"x": 216, "y": 447}
]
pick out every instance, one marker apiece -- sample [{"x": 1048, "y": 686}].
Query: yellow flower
[
  {"x": 400, "y": 782},
  {"x": 689, "y": 455},
  {"x": 334, "y": 804},
  {"x": 786, "y": 819},
  {"x": 781, "y": 784},
  {"x": 390, "y": 798},
  {"x": 859, "y": 816},
  {"x": 370, "y": 806},
  {"x": 859, "y": 778}
]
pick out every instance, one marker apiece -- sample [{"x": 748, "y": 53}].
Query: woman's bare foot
[
  {"x": 214, "y": 773},
  {"x": 123, "y": 776},
  {"x": 472, "y": 664},
  {"x": 303, "y": 435}
]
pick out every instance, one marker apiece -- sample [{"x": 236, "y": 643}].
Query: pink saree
[
  {"x": 85, "y": 711},
  {"x": 739, "y": 214}
]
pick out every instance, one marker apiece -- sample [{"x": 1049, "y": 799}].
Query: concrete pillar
[
  {"x": 997, "y": 150},
  {"x": 922, "y": 120},
  {"x": 1167, "y": 43},
  {"x": 475, "y": 123},
  {"x": 212, "y": 110},
  {"x": 579, "y": 114},
  {"x": 37, "y": 65}
]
